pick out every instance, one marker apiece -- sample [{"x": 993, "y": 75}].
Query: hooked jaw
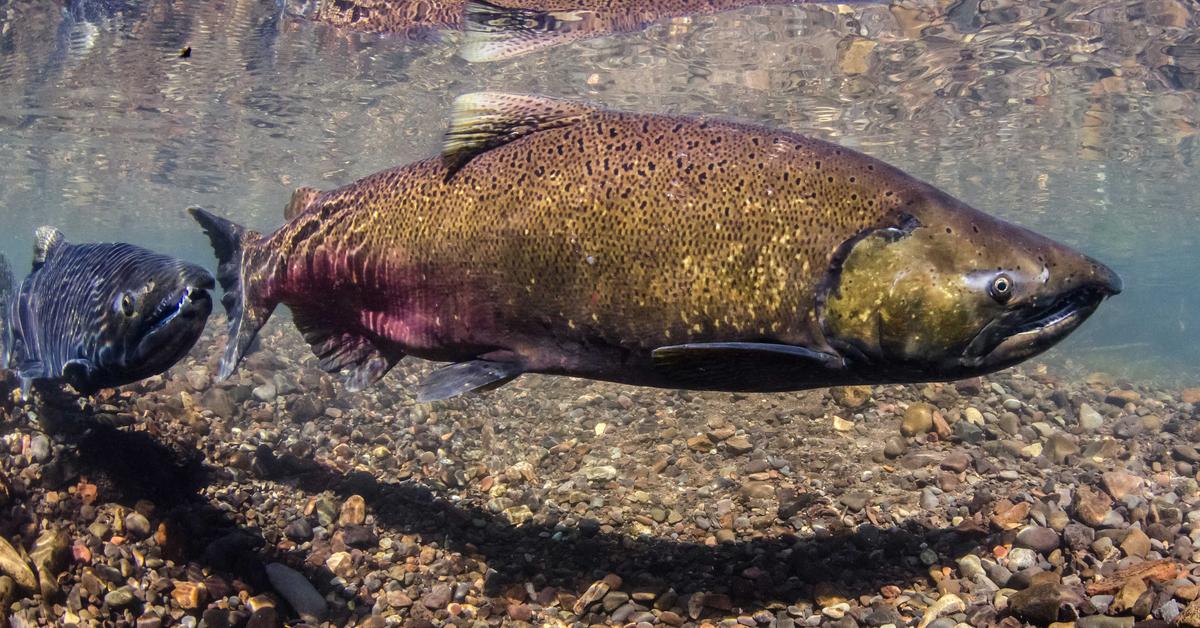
[{"x": 1033, "y": 328}]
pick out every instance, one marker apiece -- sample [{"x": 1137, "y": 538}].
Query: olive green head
[{"x": 945, "y": 291}]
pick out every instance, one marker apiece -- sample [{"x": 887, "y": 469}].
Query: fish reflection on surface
[{"x": 500, "y": 30}]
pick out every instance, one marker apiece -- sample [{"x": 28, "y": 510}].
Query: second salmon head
[{"x": 948, "y": 292}]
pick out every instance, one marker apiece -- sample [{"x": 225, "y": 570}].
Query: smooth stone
[
  {"x": 297, "y": 590},
  {"x": 1044, "y": 540},
  {"x": 39, "y": 448},
  {"x": 918, "y": 419}
]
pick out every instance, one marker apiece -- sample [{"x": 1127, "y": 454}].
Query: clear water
[{"x": 1078, "y": 119}]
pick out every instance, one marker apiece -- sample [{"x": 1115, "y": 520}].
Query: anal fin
[
  {"x": 463, "y": 377},
  {"x": 363, "y": 359}
]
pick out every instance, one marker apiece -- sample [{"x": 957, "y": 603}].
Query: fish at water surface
[
  {"x": 100, "y": 315},
  {"x": 553, "y": 236},
  {"x": 508, "y": 28}
]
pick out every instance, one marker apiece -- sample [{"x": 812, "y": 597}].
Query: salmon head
[{"x": 943, "y": 291}]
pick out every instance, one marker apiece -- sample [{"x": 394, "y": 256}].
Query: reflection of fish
[
  {"x": 556, "y": 237},
  {"x": 101, "y": 315},
  {"x": 507, "y": 28}
]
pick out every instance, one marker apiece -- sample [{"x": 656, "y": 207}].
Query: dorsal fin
[
  {"x": 485, "y": 120},
  {"x": 45, "y": 241},
  {"x": 301, "y": 199}
]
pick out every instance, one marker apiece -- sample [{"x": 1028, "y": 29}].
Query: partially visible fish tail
[
  {"x": 243, "y": 270},
  {"x": 7, "y": 289},
  {"x": 494, "y": 32}
]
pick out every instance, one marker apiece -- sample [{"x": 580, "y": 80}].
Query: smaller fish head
[
  {"x": 947, "y": 292},
  {"x": 152, "y": 325}
]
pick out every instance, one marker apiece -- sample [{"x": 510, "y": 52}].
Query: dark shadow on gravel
[
  {"x": 776, "y": 569},
  {"x": 129, "y": 467}
]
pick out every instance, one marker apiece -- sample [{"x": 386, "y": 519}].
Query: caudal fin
[
  {"x": 240, "y": 273},
  {"x": 494, "y": 32},
  {"x": 7, "y": 287}
]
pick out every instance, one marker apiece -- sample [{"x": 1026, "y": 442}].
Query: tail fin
[
  {"x": 241, "y": 276},
  {"x": 7, "y": 288},
  {"x": 494, "y": 32}
]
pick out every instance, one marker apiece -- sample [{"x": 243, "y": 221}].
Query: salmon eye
[
  {"x": 1001, "y": 288},
  {"x": 127, "y": 304}
]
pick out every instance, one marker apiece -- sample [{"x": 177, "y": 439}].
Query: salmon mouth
[{"x": 1030, "y": 330}]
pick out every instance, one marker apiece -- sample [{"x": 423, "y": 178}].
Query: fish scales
[
  {"x": 109, "y": 309},
  {"x": 557, "y": 237},
  {"x": 636, "y": 231}
]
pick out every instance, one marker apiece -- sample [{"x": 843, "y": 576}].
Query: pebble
[
  {"x": 1042, "y": 540},
  {"x": 946, "y": 605},
  {"x": 39, "y": 448},
  {"x": 918, "y": 419},
  {"x": 1089, "y": 419},
  {"x": 297, "y": 590},
  {"x": 137, "y": 525}
]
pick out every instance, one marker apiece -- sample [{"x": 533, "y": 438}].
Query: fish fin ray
[
  {"x": 734, "y": 365},
  {"x": 482, "y": 121},
  {"x": 244, "y": 306},
  {"x": 495, "y": 33},
  {"x": 46, "y": 240},
  {"x": 301, "y": 199},
  {"x": 365, "y": 360},
  {"x": 463, "y": 377}
]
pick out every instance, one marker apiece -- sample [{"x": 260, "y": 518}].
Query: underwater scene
[{"x": 614, "y": 313}]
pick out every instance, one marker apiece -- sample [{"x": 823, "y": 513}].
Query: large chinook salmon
[
  {"x": 507, "y": 28},
  {"x": 557, "y": 237}
]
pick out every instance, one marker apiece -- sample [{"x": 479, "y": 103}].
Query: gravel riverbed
[{"x": 1033, "y": 496}]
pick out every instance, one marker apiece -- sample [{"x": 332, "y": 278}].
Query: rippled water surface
[{"x": 1078, "y": 119}]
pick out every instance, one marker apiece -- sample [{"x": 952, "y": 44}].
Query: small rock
[
  {"x": 354, "y": 511},
  {"x": 1043, "y": 540},
  {"x": 700, "y": 443},
  {"x": 39, "y": 448},
  {"x": 1120, "y": 397},
  {"x": 894, "y": 447},
  {"x": 299, "y": 530},
  {"x": 600, "y": 473},
  {"x": 956, "y": 461},
  {"x": 1089, "y": 419},
  {"x": 1060, "y": 446},
  {"x": 855, "y": 501},
  {"x": 1119, "y": 484},
  {"x": 437, "y": 597},
  {"x": 1136, "y": 543},
  {"x": 265, "y": 393},
  {"x": 1091, "y": 506},
  {"x": 1190, "y": 395},
  {"x": 342, "y": 564},
  {"x": 189, "y": 595},
  {"x": 1020, "y": 558},
  {"x": 1078, "y": 537},
  {"x": 137, "y": 525},
  {"x": 851, "y": 397},
  {"x": 842, "y": 425},
  {"x": 1103, "y": 621},
  {"x": 918, "y": 419},
  {"x": 298, "y": 591},
  {"x": 218, "y": 401},
  {"x": 119, "y": 598},
  {"x": 739, "y": 445}
]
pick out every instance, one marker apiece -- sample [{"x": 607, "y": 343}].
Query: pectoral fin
[
  {"x": 741, "y": 365},
  {"x": 456, "y": 379}
]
